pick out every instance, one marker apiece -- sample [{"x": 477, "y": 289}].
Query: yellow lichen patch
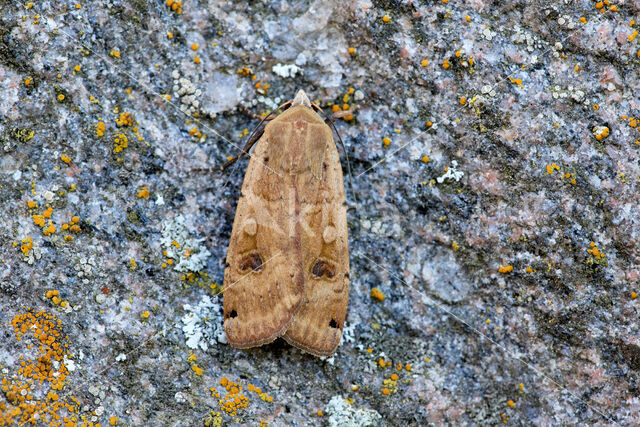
[
  {"x": 425, "y": 159},
  {"x": 552, "y": 167},
  {"x": 263, "y": 395},
  {"x": 65, "y": 158},
  {"x": 31, "y": 391},
  {"x": 446, "y": 64},
  {"x": 38, "y": 220},
  {"x": 390, "y": 385},
  {"x": 351, "y": 50},
  {"x": 505, "y": 269},
  {"x": 234, "y": 400},
  {"x": 516, "y": 81},
  {"x": 386, "y": 18},
  {"x": 377, "y": 294},
  {"x": 424, "y": 62},
  {"x": 386, "y": 141},
  {"x": 198, "y": 370},
  {"x": 100, "y": 128},
  {"x": 120, "y": 142},
  {"x": 115, "y": 53},
  {"x": 125, "y": 119},
  {"x": 383, "y": 363}
]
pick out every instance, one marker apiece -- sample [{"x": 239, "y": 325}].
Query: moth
[{"x": 287, "y": 266}]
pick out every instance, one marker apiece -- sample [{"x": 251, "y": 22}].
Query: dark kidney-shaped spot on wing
[{"x": 323, "y": 269}]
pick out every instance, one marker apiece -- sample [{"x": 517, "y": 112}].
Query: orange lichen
[
  {"x": 377, "y": 294},
  {"x": 175, "y": 6},
  {"x": 143, "y": 193},
  {"x": 600, "y": 132},
  {"x": 65, "y": 158},
  {"x": 27, "y": 402},
  {"x": 594, "y": 251},
  {"x": 505, "y": 269},
  {"x": 194, "y": 132},
  {"x": 424, "y": 62},
  {"x": 27, "y": 245},
  {"x": 446, "y": 64},
  {"x": 386, "y": 141}
]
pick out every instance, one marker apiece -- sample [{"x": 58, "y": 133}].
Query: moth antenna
[
  {"x": 256, "y": 133},
  {"x": 330, "y": 122}
]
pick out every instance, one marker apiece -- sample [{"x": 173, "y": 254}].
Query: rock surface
[{"x": 494, "y": 209}]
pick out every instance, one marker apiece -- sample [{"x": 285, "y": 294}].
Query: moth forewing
[{"x": 287, "y": 268}]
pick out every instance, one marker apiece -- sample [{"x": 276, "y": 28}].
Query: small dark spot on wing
[{"x": 251, "y": 261}]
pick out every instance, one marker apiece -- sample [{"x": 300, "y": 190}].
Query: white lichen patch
[
  {"x": 202, "y": 324},
  {"x": 286, "y": 70},
  {"x": 188, "y": 252},
  {"x": 345, "y": 414},
  {"x": 451, "y": 173},
  {"x": 348, "y": 333}
]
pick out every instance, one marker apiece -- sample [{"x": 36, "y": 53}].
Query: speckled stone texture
[{"x": 499, "y": 218}]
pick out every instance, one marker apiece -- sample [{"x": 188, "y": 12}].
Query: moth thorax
[{"x": 301, "y": 99}]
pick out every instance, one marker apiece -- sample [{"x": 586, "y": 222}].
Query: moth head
[{"x": 301, "y": 99}]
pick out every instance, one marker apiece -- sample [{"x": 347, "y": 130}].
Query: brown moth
[{"x": 287, "y": 271}]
